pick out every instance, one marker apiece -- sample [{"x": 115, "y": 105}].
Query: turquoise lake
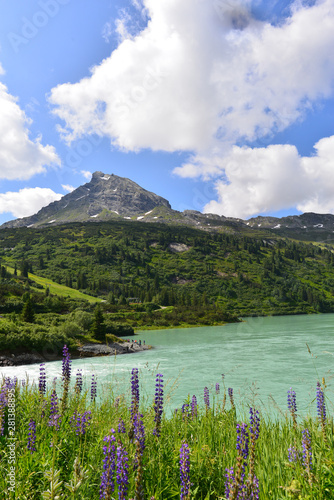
[{"x": 261, "y": 358}]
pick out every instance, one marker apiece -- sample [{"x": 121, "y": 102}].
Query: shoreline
[{"x": 88, "y": 350}]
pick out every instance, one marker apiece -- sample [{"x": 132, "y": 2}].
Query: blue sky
[{"x": 221, "y": 106}]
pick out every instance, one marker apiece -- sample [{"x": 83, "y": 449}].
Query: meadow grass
[{"x": 67, "y": 444}]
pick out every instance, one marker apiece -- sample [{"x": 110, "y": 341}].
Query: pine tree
[
  {"x": 98, "y": 328},
  {"x": 28, "y": 314}
]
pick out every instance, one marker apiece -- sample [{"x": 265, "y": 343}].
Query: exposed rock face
[
  {"x": 105, "y": 196},
  {"x": 308, "y": 220}
]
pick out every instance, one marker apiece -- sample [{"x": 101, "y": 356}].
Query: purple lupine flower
[
  {"x": 122, "y": 477},
  {"x": 78, "y": 382},
  {"x": 3, "y": 405},
  {"x": 121, "y": 427},
  {"x": 134, "y": 391},
  {"x": 107, "y": 478},
  {"x": 292, "y": 405},
  {"x": 230, "y": 395},
  {"x": 81, "y": 422},
  {"x": 184, "y": 471},
  {"x": 93, "y": 388},
  {"x": 185, "y": 411},
  {"x": 194, "y": 407},
  {"x": 229, "y": 481},
  {"x": 307, "y": 450},
  {"x": 321, "y": 406},
  {"x": 293, "y": 454},
  {"x": 158, "y": 404},
  {"x": 139, "y": 430},
  {"x": 66, "y": 364},
  {"x": 42, "y": 380},
  {"x": 54, "y": 419},
  {"x": 242, "y": 440},
  {"x": 217, "y": 388},
  {"x": 206, "y": 398},
  {"x": 32, "y": 436},
  {"x": 254, "y": 419}
]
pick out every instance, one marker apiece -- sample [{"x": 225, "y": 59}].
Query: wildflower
[
  {"x": 194, "y": 407},
  {"x": 235, "y": 478},
  {"x": 321, "y": 406},
  {"x": 185, "y": 411},
  {"x": 81, "y": 422},
  {"x": 139, "y": 431},
  {"x": 292, "y": 405},
  {"x": 122, "y": 477},
  {"x": 184, "y": 471},
  {"x": 252, "y": 483},
  {"x": 217, "y": 388},
  {"x": 158, "y": 404},
  {"x": 66, "y": 364},
  {"x": 42, "y": 380},
  {"x": 32, "y": 436},
  {"x": 134, "y": 391},
  {"x": 293, "y": 454},
  {"x": 121, "y": 426},
  {"x": 93, "y": 388},
  {"x": 66, "y": 374},
  {"x": 107, "y": 478},
  {"x": 307, "y": 454},
  {"x": 230, "y": 395},
  {"x": 78, "y": 382},
  {"x": 206, "y": 398},
  {"x": 54, "y": 419},
  {"x": 307, "y": 450}
]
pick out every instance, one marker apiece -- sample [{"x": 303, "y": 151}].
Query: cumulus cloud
[
  {"x": 87, "y": 174},
  {"x": 202, "y": 74},
  {"x": 27, "y": 201},
  {"x": 68, "y": 188},
  {"x": 267, "y": 179},
  {"x": 20, "y": 157}
]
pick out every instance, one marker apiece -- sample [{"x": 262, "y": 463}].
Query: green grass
[
  {"x": 211, "y": 436},
  {"x": 56, "y": 288}
]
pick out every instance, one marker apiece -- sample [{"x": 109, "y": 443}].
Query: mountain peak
[{"x": 105, "y": 196}]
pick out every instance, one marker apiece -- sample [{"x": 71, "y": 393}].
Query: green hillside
[{"x": 173, "y": 266}]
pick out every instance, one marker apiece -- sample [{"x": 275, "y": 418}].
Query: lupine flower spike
[
  {"x": 107, "y": 478},
  {"x": 206, "y": 399},
  {"x": 42, "y": 380},
  {"x": 66, "y": 374},
  {"x": 78, "y": 382},
  {"x": 122, "y": 478},
  {"x": 194, "y": 407},
  {"x": 307, "y": 454},
  {"x": 254, "y": 432},
  {"x": 321, "y": 409},
  {"x": 292, "y": 406},
  {"x": 158, "y": 404},
  {"x": 81, "y": 422},
  {"x": 54, "y": 419},
  {"x": 184, "y": 471},
  {"x": 93, "y": 388},
  {"x": 235, "y": 480},
  {"x": 134, "y": 408},
  {"x": 230, "y": 395}
]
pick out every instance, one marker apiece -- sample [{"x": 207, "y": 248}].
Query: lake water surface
[{"x": 260, "y": 358}]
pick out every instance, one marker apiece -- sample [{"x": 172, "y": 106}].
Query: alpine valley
[{"x": 111, "y": 258}]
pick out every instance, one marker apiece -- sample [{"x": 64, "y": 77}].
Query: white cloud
[
  {"x": 107, "y": 31},
  {"x": 68, "y": 188},
  {"x": 87, "y": 175},
  {"x": 260, "y": 180},
  {"x": 201, "y": 75},
  {"x": 20, "y": 157},
  {"x": 27, "y": 201}
]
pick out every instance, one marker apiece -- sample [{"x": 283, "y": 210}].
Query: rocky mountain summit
[
  {"x": 104, "y": 197},
  {"x": 110, "y": 197}
]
